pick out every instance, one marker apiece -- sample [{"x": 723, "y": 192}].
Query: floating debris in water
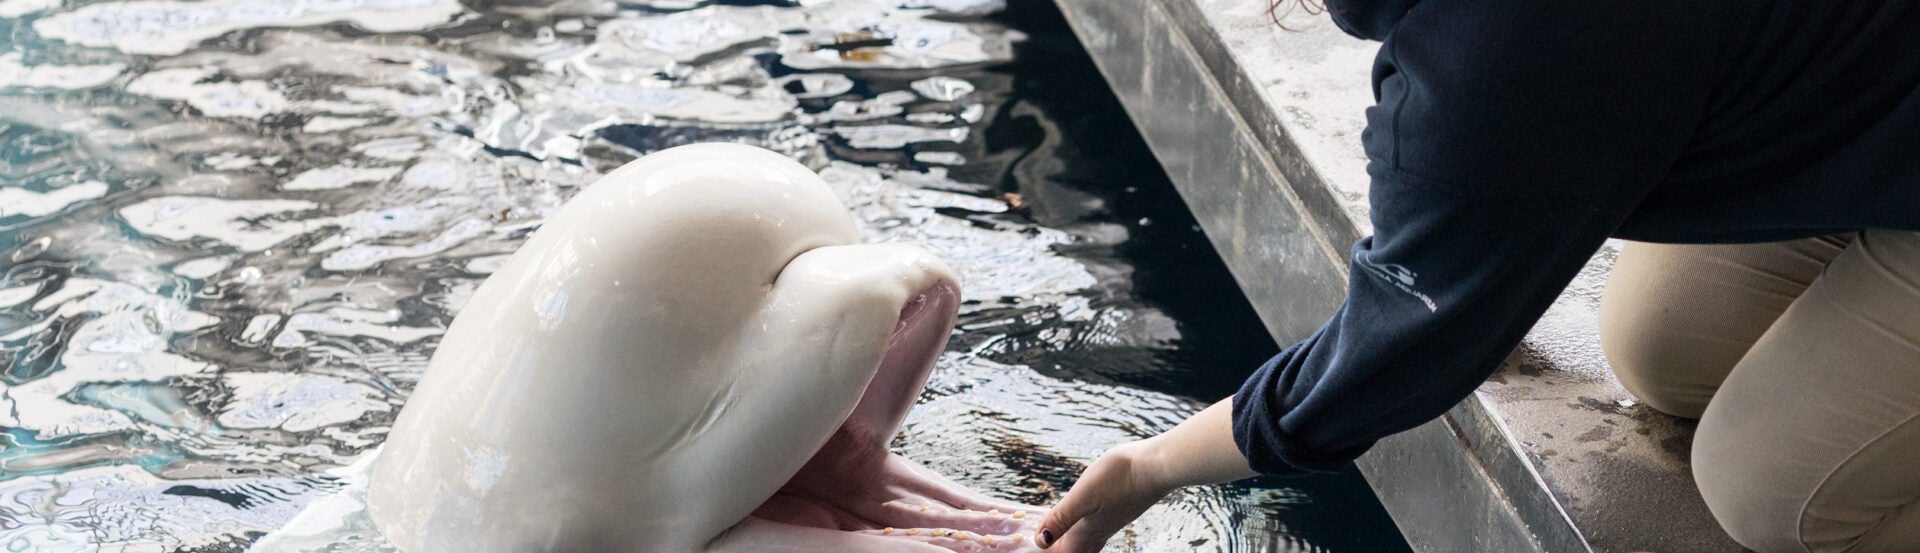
[
  {"x": 860, "y": 46},
  {"x": 1013, "y": 200}
]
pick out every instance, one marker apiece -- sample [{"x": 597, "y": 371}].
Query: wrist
[{"x": 1147, "y": 462}]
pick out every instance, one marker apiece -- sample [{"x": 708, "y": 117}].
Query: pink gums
[{"x": 854, "y": 484}]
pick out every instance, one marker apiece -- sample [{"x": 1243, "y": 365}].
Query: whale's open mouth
[{"x": 855, "y": 484}]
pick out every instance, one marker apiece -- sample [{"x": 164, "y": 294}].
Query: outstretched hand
[
  {"x": 1116, "y": 489},
  {"x": 1126, "y": 480}
]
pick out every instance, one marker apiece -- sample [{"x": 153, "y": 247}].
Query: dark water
[
  {"x": 231, "y": 232},
  {"x": 1168, "y": 265}
]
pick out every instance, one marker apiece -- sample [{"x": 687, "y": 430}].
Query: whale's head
[{"x": 695, "y": 338}]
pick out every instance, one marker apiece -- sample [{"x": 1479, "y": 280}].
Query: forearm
[{"x": 1198, "y": 451}]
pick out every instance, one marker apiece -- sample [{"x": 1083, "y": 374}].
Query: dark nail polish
[{"x": 1046, "y": 538}]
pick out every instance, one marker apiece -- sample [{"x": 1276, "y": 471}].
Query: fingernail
[{"x": 1046, "y": 538}]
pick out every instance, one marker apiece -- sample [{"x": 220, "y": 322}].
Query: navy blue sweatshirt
[{"x": 1511, "y": 138}]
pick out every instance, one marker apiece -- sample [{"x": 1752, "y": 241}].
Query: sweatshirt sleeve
[
  {"x": 1506, "y": 146},
  {"x": 1436, "y": 298}
]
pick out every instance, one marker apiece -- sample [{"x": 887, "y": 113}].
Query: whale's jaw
[{"x": 855, "y": 484}]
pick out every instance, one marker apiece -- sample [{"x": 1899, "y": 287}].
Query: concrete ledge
[{"x": 1259, "y": 128}]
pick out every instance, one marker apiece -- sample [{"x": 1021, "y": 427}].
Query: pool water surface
[{"x": 232, "y": 231}]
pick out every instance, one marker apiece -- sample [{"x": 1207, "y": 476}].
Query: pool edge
[{"x": 1280, "y": 209}]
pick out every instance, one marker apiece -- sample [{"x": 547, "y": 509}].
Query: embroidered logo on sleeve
[{"x": 1399, "y": 275}]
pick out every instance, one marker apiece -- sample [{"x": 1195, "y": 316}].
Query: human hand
[{"x": 1116, "y": 489}]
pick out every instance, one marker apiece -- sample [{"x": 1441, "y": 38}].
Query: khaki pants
[{"x": 1802, "y": 361}]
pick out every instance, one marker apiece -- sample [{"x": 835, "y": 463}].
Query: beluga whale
[{"x": 695, "y": 354}]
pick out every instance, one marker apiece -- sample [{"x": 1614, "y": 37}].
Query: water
[{"x": 232, "y": 231}]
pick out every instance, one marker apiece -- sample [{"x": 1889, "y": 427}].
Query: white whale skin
[{"x": 694, "y": 354}]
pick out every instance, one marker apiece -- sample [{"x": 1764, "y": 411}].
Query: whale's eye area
[{"x": 854, "y": 484}]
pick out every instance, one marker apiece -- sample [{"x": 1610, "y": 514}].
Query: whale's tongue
[{"x": 854, "y": 484}]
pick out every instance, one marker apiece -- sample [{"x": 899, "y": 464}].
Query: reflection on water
[{"x": 232, "y": 232}]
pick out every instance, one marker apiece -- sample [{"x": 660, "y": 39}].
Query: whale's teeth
[
  {"x": 993, "y": 511},
  {"x": 1019, "y": 514},
  {"x": 913, "y": 531},
  {"x": 986, "y": 539},
  {"x": 962, "y": 536},
  {"x": 888, "y": 531},
  {"x": 1017, "y": 538},
  {"x": 923, "y": 508}
]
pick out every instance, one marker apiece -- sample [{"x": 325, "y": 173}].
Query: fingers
[
  {"x": 1062, "y": 519},
  {"x": 1076, "y": 522},
  {"x": 1089, "y": 534},
  {"x": 1108, "y": 497}
]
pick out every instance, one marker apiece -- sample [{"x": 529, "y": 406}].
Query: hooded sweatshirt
[{"x": 1511, "y": 138}]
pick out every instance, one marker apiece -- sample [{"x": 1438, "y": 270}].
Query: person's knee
[
  {"x": 1645, "y": 337},
  {"x": 1675, "y": 319},
  {"x": 1641, "y": 380},
  {"x": 1642, "y": 362}
]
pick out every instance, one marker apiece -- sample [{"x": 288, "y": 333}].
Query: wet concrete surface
[{"x": 1551, "y": 442}]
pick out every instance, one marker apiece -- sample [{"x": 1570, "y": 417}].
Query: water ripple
[{"x": 234, "y": 231}]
